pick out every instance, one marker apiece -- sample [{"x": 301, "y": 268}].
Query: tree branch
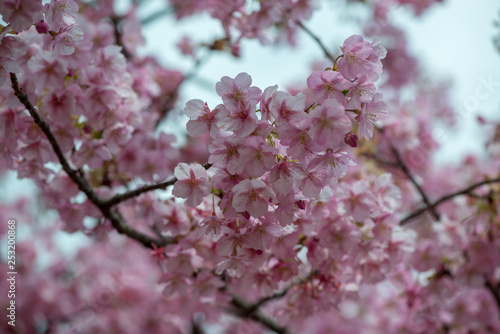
[
  {"x": 408, "y": 174},
  {"x": 401, "y": 165},
  {"x": 141, "y": 190},
  {"x": 114, "y": 217},
  {"x": 247, "y": 310},
  {"x": 318, "y": 41},
  {"x": 118, "y": 36},
  {"x": 464, "y": 191},
  {"x": 494, "y": 291}
]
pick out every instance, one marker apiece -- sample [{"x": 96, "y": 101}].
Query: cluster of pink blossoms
[{"x": 277, "y": 162}]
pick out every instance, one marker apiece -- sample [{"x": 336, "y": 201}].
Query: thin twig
[
  {"x": 141, "y": 190},
  {"x": 118, "y": 36},
  {"x": 115, "y": 218},
  {"x": 282, "y": 293},
  {"x": 318, "y": 41},
  {"x": 246, "y": 310},
  {"x": 464, "y": 191},
  {"x": 136, "y": 192},
  {"x": 157, "y": 15},
  {"x": 408, "y": 174},
  {"x": 400, "y": 164}
]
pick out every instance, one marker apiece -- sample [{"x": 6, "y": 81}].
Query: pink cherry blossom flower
[
  {"x": 237, "y": 93},
  {"x": 11, "y": 50},
  {"x": 212, "y": 227},
  {"x": 226, "y": 205},
  {"x": 360, "y": 94},
  {"x": 300, "y": 144},
  {"x": 257, "y": 157},
  {"x": 312, "y": 184},
  {"x": 328, "y": 85},
  {"x": 202, "y": 120},
  {"x": 370, "y": 113},
  {"x": 225, "y": 153},
  {"x": 111, "y": 63},
  {"x": 225, "y": 181},
  {"x": 59, "y": 106},
  {"x": 117, "y": 136},
  {"x": 252, "y": 196},
  {"x": 21, "y": 14},
  {"x": 61, "y": 13},
  {"x": 67, "y": 39},
  {"x": 131, "y": 31},
  {"x": 331, "y": 166},
  {"x": 175, "y": 220},
  {"x": 267, "y": 98},
  {"x": 360, "y": 59},
  {"x": 192, "y": 183},
  {"x": 329, "y": 123},
  {"x": 49, "y": 71},
  {"x": 357, "y": 200},
  {"x": 287, "y": 109},
  {"x": 182, "y": 261},
  {"x": 283, "y": 176},
  {"x": 242, "y": 121},
  {"x": 286, "y": 208},
  {"x": 234, "y": 266},
  {"x": 92, "y": 153}
]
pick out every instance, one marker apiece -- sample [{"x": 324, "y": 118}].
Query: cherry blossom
[
  {"x": 329, "y": 123},
  {"x": 192, "y": 183},
  {"x": 21, "y": 14},
  {"x": 61, "y": 13},
  {"x": 361, "y": 59},
  {"x": 252, "y": 196}
]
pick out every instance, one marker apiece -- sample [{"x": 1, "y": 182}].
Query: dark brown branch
[
  {"x": 114, "y": 217},
  {"x": 118, "y": 36},
  {"x": 136, "y": 192},
  {"x": 141, "y": 190},
  {"x": 494, "y": 291},
  {"x": 409, "y": 175},
  {"x": 400, "y": 164},
  {"x": 281, "y": 294},
  {"x": 318, "y": 41},
  {"x": 246, "y": 310},
  {"x": 445, "y": 198}
]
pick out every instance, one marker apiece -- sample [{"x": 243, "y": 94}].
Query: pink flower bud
[
  {"x": 42, "y": 27},
  {"x": 351, "y": 139},
  {"x": 301, "y": 204}
]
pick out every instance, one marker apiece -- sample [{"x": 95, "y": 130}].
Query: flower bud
[
  {"x": 42, "y": 27},
  {"x": 351, "y": 139}
]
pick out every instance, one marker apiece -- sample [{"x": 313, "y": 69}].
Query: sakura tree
[{"x": 314, "y": 208}]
